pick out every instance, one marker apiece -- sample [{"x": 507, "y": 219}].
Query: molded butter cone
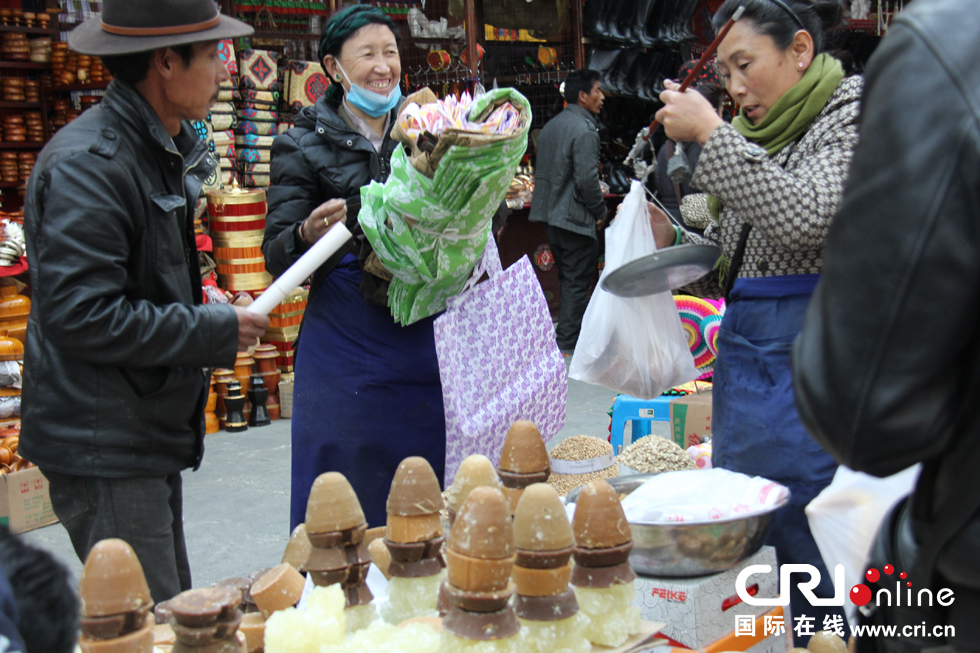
[
  {"x": 298, "y": 548},
  {"x": 540, "y": 522},
  {"x": 415, "y": 490},
  {"x": 599, "y": 519},
  {"x": 482, "y": 528},
  {"x": 524, "y": 451},
  {"x": 333, "y": 505},
  {"x": 112, "y": 580},
  {"x": 475, "y": 471}
]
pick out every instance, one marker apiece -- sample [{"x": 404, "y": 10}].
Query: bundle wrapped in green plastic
[{"x": 429, "y": 222}]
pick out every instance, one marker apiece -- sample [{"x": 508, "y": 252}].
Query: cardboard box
[
  {"x": 25, "y": 503},
  {"x": 700, "y": 611},
  {"x": 690, "y": 418}
]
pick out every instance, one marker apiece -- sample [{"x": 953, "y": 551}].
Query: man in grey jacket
[{"x": 568, "y": 198}]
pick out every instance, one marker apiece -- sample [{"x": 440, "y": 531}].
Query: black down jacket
[
  {"x": 887, "y": 368},
  {"x": 117, "y": 337},
  {"x": 321, "y": 158}
]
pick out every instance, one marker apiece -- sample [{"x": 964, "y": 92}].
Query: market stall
[{"x": 483, "y": 559}]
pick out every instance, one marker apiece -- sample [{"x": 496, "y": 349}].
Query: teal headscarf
[{"x": 340, "y": 27}]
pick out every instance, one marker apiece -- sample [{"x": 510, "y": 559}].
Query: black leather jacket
[
  {"x": 321, "y": 158},
  {"x": 117, "y": 337},
  {"x": 887, "y": 368}
]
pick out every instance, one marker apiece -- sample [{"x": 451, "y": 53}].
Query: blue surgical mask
[{"x": 369, "y": 102}]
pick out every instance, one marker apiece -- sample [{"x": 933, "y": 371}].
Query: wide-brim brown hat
[{"x": 129, "y": 26}]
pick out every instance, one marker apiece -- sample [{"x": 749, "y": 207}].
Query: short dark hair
[
  {"x": 46, "y": 602},
  {"x": 580, "y": 81},
  {"x": 340, "y": 27},
  {"x": 779, "y": 22},
  {"x": 711, "y": 92},
  {"x": 133, "y": 68}
]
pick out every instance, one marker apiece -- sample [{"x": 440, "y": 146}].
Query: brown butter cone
[
  {"x": 415, "y": 490},
  {"x": 599, "y": 519},
  {"x": 524, "y": 451},
  {"x": 483, "y": 526},
  {"x": 540, "y": 520},
  {"x": 112, "y": 580},
  {"x": 475, "y": 471},
  {"x": 333, "y": 505}
]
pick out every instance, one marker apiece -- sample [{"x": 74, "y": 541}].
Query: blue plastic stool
[{"x": 641, "y": 412}]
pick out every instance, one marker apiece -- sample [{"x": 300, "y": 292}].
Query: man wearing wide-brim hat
[{"x": 118, "y": 341}]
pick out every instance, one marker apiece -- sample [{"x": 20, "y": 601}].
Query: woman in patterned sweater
[{"x": 772, "y": 181}]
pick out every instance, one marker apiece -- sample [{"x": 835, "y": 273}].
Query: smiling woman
[
  {"x": 771, "y": 184},
  {"x": 367, "y": 391}
]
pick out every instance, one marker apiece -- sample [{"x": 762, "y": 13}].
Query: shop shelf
[
  {"x": 25, "y": 65},
  {"x": 20, "y": 145},
  {"x": 37, "y": 31},
  {"x": 89, "y": 86},
  {"x": 20, "y": 105}
]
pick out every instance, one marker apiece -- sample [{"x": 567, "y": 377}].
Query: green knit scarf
[{"x": 787, "y": 120}]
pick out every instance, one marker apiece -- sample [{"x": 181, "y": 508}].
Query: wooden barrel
[{"x": 237, "y": 220}]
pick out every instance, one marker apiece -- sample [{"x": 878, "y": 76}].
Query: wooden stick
[{"x": 691, "y": 76}]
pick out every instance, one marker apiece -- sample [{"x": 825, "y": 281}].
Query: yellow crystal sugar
[
  {"x": 564, "y": 636},
  {"x": 321, "y": 621},
  {"x": 411, "y": 597},
  {"x": 612, "y": 617}
]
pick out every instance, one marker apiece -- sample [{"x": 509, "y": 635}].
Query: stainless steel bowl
[{"x": 687, "y": 550}]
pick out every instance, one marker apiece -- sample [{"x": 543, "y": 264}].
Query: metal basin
[{"x": 685, "y": 550}]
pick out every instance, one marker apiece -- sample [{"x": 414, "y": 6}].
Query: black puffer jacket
[
  {"x": 117, "y": 338},
  {"x": 887, "y": 368},
  {"x": 321, "y": 158}
]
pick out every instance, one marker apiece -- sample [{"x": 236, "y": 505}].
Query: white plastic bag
[
  {"x": 636, "y": 346},
  {"x": 845, "y": 518}
]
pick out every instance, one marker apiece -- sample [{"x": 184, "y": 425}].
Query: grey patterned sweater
[{"x": 788, "y": 199}]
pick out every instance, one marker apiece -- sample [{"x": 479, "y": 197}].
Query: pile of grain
[
  {"x": 580, "y": 447},
  {"x": 655, "y": 454}
]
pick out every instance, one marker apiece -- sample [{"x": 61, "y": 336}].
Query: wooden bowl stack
[
  {"x": 41, "y": 50},
  {"x": 59, "y": 56},
  {"x": 14, "y": 129},
  {"x": 59, "y": 117},
  {"x": 9, "y": 166},
  {"x": 32, "y": 90},
  {"x": 13, "y": 89},
  {"x": 25, "y": 164},
  {"x": 35, "y": 127},
  {"x": 14, "y": 46},
  {"x": 97, "y": 72}
]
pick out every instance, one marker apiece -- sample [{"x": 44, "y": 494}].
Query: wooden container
[
  {"x": 272, "y": 384},
  {"x": 11, "y": 349},
  {"x": 243, "y": 369},
  {"x": 237, "y": 222},
  {"x": 222, "y": 378},
  {"x": 14, "y": 310},
  {"x": 237, "y": 209},
  {"x": 265, "y": 358}
]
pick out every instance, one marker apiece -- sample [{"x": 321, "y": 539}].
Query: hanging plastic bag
[
  {"x": 634, "y": 345},
  {"x": 845, "y": 518}
]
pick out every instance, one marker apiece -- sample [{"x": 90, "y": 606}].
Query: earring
[
  {"x": 338, "y": 76},
  {"x": 800, "y": 65}
]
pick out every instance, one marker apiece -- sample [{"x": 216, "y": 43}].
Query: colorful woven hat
[{"x": 700, "y": 320}]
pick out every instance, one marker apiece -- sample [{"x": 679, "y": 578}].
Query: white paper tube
[{"x": 307, "y": 264}]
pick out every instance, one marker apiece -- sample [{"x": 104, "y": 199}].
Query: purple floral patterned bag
[{"x": 498, "y": 360}]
